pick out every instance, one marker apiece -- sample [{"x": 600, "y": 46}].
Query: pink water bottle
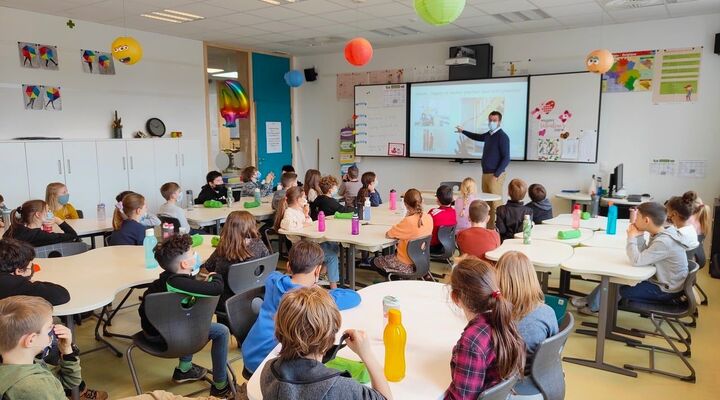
[
  {"x": 321, "y": 222},
  {"x": 576, "y": 217},
  {"x": 393, "y": 200},
  {"x": 355, "y": 230}
]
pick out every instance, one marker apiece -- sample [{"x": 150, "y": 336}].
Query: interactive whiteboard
[{"x": 381, "y": 120}]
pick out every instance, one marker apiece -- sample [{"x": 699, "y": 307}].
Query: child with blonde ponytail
[{"x": 468, "y": 190}]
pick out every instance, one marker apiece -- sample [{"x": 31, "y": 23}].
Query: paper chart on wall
[
  {"x": 273, "y": 137},
  {"x": 662, "y": 167},
  {"x": 677, "y": 75},
  {"x": 691, "y": 168}
]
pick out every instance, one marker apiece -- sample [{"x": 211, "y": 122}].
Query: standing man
[{"x": 495, "y": 158}]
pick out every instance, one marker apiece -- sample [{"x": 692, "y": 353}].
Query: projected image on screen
[{"x": 437, "y": 108}]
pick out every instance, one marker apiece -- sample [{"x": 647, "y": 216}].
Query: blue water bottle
[
  {"x": 611, "y": 219},
  {"x": 149, "y": 246}
]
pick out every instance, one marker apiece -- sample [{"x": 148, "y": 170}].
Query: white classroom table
[
  {"x": 429, "y": 199},
  {"x": 382, "y": 215},
  {"x": 201, "y": 216},
  {"x": 578, "y": 197},
  {"x": 613, "y": 268},
  {"x": 624, "y": 201},
  {"x": 545, "y": 255},
  {"x": 550, "y": 232},
  {"x": 433, "y": 326},
  {"x": 598, "y": 223},
  {"x": 88, "y": 227}
]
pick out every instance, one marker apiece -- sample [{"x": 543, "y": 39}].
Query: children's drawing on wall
[
  {"x": 33, "y": 55},
  {"x": 106, "y": 65},
  {"x": 32, "y": 97},
  {"x": 89, "y": 61},
  {"x": 556, "y": 138},
  {"x": 48, "y": 57},
  {"x": 28, "y": 53},
  {"x": 548, "y": 149},
  {"x": 52, "y": 98}
]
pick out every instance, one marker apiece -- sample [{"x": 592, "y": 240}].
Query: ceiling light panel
[{"x": 177, "y": 17}]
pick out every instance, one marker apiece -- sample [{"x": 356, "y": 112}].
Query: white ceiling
[{"x": 255, "y": 24}]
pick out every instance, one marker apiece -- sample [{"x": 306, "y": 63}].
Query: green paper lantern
[{"x": 439, "y": 12}]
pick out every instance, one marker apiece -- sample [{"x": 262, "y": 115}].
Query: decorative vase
[{"x": 117, "y": 133}]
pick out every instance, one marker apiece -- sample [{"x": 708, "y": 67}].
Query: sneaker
[
  {"x": 579, "y": 302},
  {"x": 587, "y": 311},
  {"x": 91, "y": 394},
  {"x": 195, "y": 373},
  {"x": 224, "y": 393}
]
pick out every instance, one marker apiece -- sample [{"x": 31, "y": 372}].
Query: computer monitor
[{"x": 616, "y": 180}]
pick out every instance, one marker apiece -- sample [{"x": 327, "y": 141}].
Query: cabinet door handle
[
  {"x": 182, "y": 159},
  {"x": 59, "y": 167},
  {"x": 124, "y": 164},
  {"x": 132, "y": 164},
  {"x": 69, "y": 170}
]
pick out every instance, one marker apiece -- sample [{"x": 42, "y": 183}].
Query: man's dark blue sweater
[{"x": 496, "y": 152}]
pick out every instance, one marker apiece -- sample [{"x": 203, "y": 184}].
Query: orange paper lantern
[
  {"x": 599, "y": 61},
  {"x": 358, "y": 51}
]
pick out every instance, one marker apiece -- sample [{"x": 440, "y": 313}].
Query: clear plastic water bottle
[
  {"x": 403, "y": 209},
  {"x": 189, "y": 200},
  {"x": 355, "y": 226},
  {"x": 576, "y": 217},
  {"x": 47, "y": 224},
  {"x": 257, "y": 195},
  {"x": 321, "y": 222},
  {"x": 594, "y": 205},
  {"x": 149, "y": 244},
  {"x": 101, "y": 212},
  {"x": 527, "y": 229},
  {"x": 611, "y": 228},
  {"x": 230, "y": 199},
  {"x": 366, "y": 210}
]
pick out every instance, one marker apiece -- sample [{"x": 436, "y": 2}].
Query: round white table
[
  {"x": 578, "y": 197},
  {"x": 602, "y": 239},
  {"x": 382, "y": 215},
  {"x": 624, "y": 201},
  {"x": 430, "y": 201},
  {"x": 545, "y": 255},
  {"x": 550, "y": 232},
  {"x": 201, "y": 216},
  {"x": 433, "y": 326},
  {"x": 598, "y": 223},
  {"x": 88, "y": 227}
]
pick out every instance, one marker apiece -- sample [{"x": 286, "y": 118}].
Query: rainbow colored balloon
[{"x": 235, "y": 104}]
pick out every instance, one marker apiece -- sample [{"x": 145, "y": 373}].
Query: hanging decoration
[
  {"x": 294, "y": 78},
  {"x": 439, "y": 12},
  {"x": 234, "y": 102},
  {"x": 127, "y": 50},
  {"x": 599, "y": 61},
  {"x": 358, "y": 51}
]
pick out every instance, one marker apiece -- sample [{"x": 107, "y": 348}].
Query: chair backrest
[
  {"x": 546, "y": 370},
  {"x": 455, "y": 185},
  {"x": 61, "y": 249},
  {"x": 446, "y": 236},
  {"x": 693, "y": 268},
  {"x": 251, "y": 274},
  {"x": 184, "y": 328},
  {"x": 165, "y": 219},
  {"x": 80, "y": 214},
  {"x": 242, "y": 312},
  {"x": 419, "y": 252},
  {"x": 501, "y": 391}
]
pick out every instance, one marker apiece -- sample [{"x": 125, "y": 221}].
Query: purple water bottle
[
  {"x": 355, "y": 230},
  {"x": 321, "y": 222},
  {"x": 393, "y": 200}
]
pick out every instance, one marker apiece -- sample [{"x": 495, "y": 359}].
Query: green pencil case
[
  {"x": 347, "y": 215},
  {"x": 585, "y": 216},
  {"x": 197, "y": 240},
  {"x": 571, "y": 234},
  {"x": 357, "y": 369},
  {"x": 213, "y": 204},
  {"x": 215, "y": 241},
  {"x": 251, "y": 204}
]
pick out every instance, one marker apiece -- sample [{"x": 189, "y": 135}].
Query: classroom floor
[{"x": 102, "y": 370}]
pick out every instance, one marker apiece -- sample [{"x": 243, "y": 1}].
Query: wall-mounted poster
[
  {"x": 677, "y": 75},
  {"x": 33, "y": 55},
  {"x": 28, "y": 53},
  {"x": 52, "y": 98},
  {"x": 97, "y": 62},
  {"x": 40, "y": 97},
  {"x": 48, "y": 57}
]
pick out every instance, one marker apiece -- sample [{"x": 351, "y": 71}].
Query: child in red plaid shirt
[{"x": 490, "y": 348}]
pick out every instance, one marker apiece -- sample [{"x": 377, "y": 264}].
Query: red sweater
[
  {"x": 442, "y": 216},
  {"x": 477, "y": 241}
]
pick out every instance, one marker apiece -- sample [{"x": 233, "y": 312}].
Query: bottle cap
[
  {"x": 610, "y": 203},
  {"x": 150, "y": 232},
  {"x": 394, "y": 316}
]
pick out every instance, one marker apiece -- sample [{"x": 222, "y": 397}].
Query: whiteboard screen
[
  {"x": 564, "y": 117},
  {"x": 381, "y": 123}
]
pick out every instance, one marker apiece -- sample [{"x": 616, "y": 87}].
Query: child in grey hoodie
[
  {"x": 540, "y": 205},
  {"x": 307, "y": 322},
  {"x": 666, "y": 251}
]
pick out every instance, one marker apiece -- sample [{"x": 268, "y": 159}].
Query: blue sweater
[
  {"x": 496, "y": 152},
  {"x": 130, "y": 233},
  {"x": 261, "y": 340}
]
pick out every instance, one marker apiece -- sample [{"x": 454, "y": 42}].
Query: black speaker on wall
[
  {"x": 717, "y": 44},
  {"x": 310, "y": 74},
  {"x": 483, "y": 63}
]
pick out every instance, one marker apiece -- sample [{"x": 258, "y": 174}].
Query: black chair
[
  {"x": 419, "y": 252},
  {"x": 251, "y": 274},
  {"x": 61, "y": 249},
  {"x": 80, "y": 214},
  {"x": 242, "y": 312},
  {"x": 184, "y": 329},
  {"x": 165, "y": 219},
  {"x": 670, "y": 314},
  {"x": 280, "y": 239},
  {"x": 546, "y": 371},
  {"x": 454, "y": 185},
  {"x": 446, "y": 236},
  {"x": 698, "y": 255},
  {"x": 501, "y": 391}
]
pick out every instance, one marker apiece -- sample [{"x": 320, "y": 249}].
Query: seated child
[
  {"x": 666, "y": 250},
  {"x": 214, "y": 189},
  {"x": 369, "y": 183},
  {"x": 251, "y": 181},
  {"x": 490, "y": 348},
  {"x": 58, "y": 200},
  {"x": 178, "y": 261},
  {"x": 509, "y": 219},
  {"x": 478, "y": 240},
  {"x": 326, "y": 202},
  {"x": 149, "y": 220},
  {"x": 443, "y": 215},
  {"x": 350, "y": 185},
  {"x": 16, "y": 274},
  {"x": 27, "y": 225},
  {"x": 305, "y": 262},
  {"x": 468, "y": 190},
  {"x": 700, "y": 221},
  {"x": 540, "y": 205},
  {"x": 130, "y": 232},
  {"x": 239, "y": 242},
  {"x": 416, "y": 224},
  {"x": 312, "y": 184},
  {"x": 289, "y": 168},
  {"x": 172, "y": 194},
  {"x": 287, "y": 180},
  {"x": 27, "y": 328},
  {"x": 307, "y": 321}
]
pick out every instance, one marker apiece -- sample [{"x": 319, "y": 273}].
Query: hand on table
[{"x": 64, "y": 338}]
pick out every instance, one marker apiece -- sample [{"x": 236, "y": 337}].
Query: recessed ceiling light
[
  {"x": 214, "y": 70},
  {"x": 232, "y": 74},
  {"x": 273, "y": 2},
  {"x": 177, "y": 17},
  {"x": 278, "y": 2},
  {"x": 184, "y": 14},
  {"x": 166, "y": 15},
  {"x": 160, "y": 18}
]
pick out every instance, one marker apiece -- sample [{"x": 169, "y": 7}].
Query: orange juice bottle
[{"x": 394, "y": 338}]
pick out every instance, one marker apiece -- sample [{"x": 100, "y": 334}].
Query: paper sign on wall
[
  {"x": 273, "y": 137},
  {"x": 662, "y": 167},
  {"x": 691, "y": 168}
]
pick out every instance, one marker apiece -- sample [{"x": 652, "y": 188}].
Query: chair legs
[
  {"x": 704, "y": 295},
  {"x": 657, "y": 322},
  {"x": 133, "y": 372}
]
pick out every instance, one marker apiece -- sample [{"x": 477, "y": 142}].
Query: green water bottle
[{"x": 527, "y": 229}]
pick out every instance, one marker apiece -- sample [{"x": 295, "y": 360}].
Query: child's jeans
[
  {"x": 332, "y": 263},
  {"x": 220, "y": 336},
  {"x": 645, "y": 292}
]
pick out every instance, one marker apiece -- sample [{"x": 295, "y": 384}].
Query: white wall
[
  {"x": 167, "y": 83},
  {"x": 632, "y": 130}
]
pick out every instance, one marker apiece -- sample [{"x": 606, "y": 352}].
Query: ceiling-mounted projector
[{"x": 463, "y": 56}]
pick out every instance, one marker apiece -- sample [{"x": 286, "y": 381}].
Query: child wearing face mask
[
  {"x": 27, "y": 222},
  {"x": 214, "y": 189},
  {"x": 326, "y": 201},
  {"x": 131, "y": 231},
  {"x": 148, "y": 220},
  {"x": 173, "y": 195},
  {"x": 251, "y": 181},
  {"x": 368, "y": 190},
  {"x": 304, "y": 262},
  {"x": 17, "y": 274},
  {"x": 179, "y": 264},
  {"x": 58, "y": 200}
]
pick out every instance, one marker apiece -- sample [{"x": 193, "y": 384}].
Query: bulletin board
[{"x": 563, "y": 117}]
